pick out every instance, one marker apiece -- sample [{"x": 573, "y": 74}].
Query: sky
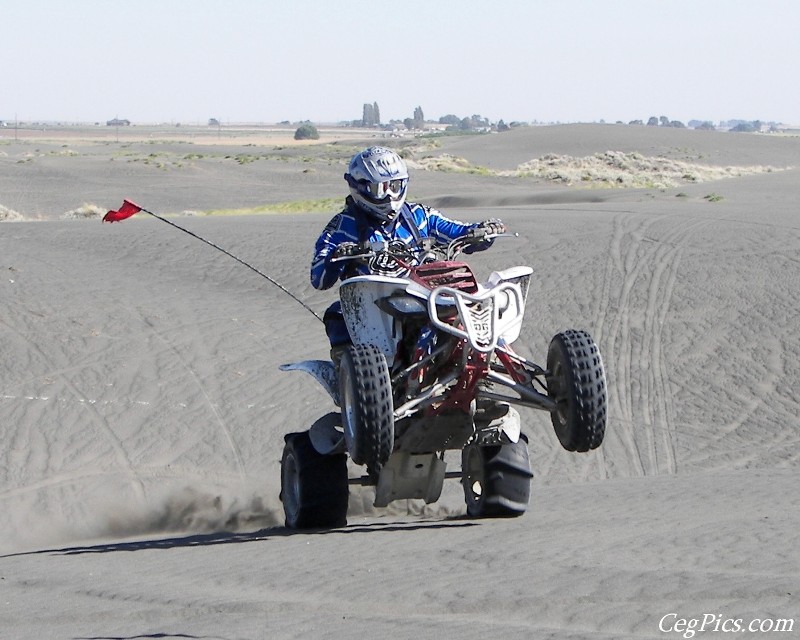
[{"x": 162, "y": 61}]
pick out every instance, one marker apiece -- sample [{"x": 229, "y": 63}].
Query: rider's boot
[
  {"x": 487, "y": 409},
  {"x": 337, "y": 352}
]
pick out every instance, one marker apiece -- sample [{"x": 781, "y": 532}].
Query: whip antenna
[{"x": 129, "y": 208}]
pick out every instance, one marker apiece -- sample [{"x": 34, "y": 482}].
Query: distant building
[{"x": 116, "y": 122}]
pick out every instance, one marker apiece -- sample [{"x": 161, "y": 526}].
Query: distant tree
[
  {"x": 409, "y": 123},
  {"x": 663, "y": 121},
  {"x": 478, "y": 121},
  {"x": 419, "y": 118},
  {"x": 747, "y": 127},
  {"x": 502, "y": 126},
  {"x": 652, "y": 122},
  {"x": 676, "y": 124},
  {"x": 473, "y": 122},
  {"x": 636, "y": 122},
  {"x": 368, "y": 115},
  {"x": 376, "y": 112},
  {"x": 705, "y": 125},
  {"x": 306, "y": 132}
]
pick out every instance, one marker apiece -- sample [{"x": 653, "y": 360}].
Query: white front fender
[{"x": 322, "y": 370}]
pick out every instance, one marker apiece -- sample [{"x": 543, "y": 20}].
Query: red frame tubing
[
  {"x": 463, "y": 391},
  {"x": 517, "y": 372}
]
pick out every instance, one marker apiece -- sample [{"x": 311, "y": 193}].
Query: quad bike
[{"x": 430, "y": 354}]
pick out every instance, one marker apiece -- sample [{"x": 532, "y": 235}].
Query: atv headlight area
[
  {"x": 485, "y": 317},
  {"x": 405, "y": 306},
  {"x": 503, "y": 302}
]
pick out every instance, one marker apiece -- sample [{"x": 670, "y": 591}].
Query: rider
[{"x": 376, "y": 210}]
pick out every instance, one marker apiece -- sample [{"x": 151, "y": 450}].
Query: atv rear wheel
[
  {"x": 314, "y": 487},
  {"x": 365, "y": 392},
  {"x": 496, "y": 479},
  {"x": 576, "y": 380}
]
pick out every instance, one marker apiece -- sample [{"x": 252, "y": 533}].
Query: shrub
[
  {"x": 306, "y": 132},
  {"x": 9, "y": 214},
  {"x": 83, "y": 212}
]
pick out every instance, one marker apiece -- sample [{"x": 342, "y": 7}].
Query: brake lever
[
  {"x": 376, "y": 245},
  {"x": 364, "y": 251}
]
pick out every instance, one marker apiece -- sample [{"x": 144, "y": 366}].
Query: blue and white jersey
[{"x": 352, "y": 225}]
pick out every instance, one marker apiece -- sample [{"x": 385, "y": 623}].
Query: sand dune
[{"x": 142, "y": 410}]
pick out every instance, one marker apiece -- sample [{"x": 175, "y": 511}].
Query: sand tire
[
  {"x": 576, "y": 380},
  {"x": 314, "y": 487},
  {"x": 365, "y": 391},
  {"x": 496, "y": 479}
]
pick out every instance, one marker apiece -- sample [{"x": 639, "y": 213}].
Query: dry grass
[
  {"x": 608, "y": 169},
  {"x": 262, "y": 135},
  {"x": 449, "y": 164},
  {"x": 9, "y": 215},
  {"x": 323, "y": 205},
  {"x": 85, "y": 211}
]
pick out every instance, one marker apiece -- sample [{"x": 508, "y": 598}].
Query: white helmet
[{"x": 378, "y": 179}]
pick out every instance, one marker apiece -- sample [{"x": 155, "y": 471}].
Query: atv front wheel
[
  {"x": 496, "y": 479},
  {"x": 576, "y": 380},
  {"x": 314, "y": 487},
  {"x": 365, "y": 392}
]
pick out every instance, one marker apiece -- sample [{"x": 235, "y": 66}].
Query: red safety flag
[{"x": 127, "y": 209}]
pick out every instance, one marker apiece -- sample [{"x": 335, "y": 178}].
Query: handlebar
[{"x": 428, "y": 250}]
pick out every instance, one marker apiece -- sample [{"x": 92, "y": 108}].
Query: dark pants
[{"x": 335, "y": 325}]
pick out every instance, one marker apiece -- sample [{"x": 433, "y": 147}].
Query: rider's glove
[
  {"x": 493, "y": 226},
  {"x": 345, "y": 250}
]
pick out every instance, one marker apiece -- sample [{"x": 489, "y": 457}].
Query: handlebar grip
[{"x": 477, "y": 233}]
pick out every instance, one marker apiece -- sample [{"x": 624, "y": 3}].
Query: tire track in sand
[
  {"x": 238, "y": 458},
  {"x": 636, "y": 293},
  {"x": 96, "y": 418},
  {"x": 618, "y": 366}
]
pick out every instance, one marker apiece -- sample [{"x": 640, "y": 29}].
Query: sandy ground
[{"x": 142, "y": 411}]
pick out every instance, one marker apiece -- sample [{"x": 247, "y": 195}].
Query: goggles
[{"x": 380, "y": 190}]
